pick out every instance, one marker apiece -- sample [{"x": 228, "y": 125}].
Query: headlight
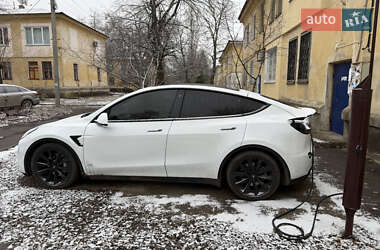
[{"x": 29, "y": 132}]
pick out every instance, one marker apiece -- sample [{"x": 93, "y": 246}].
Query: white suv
[{"x": 178, "y": 133}]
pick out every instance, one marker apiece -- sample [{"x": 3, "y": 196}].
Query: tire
[
  {"x": 53, "y": 166},
  {"x": 253, "y": 175},
  {"x": 26, "y": 105}
]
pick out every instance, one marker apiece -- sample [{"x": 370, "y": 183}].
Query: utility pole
[
  {"x": 358, "y": 139},
  {"x": 55, "y": 53}
]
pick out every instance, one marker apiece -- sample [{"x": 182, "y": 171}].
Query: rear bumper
[{"x": 300, "y": 164}]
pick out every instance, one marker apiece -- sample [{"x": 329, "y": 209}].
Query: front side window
[
  {"x": 47, "y": 71},
  {"x": 270, "y": 65},
  {"x": 33, "y": 71},
  {"x": 200, "y": 103},
  {"x": 4, "y": 36},
  {"x": 2, "y": 90},
  {"x": 151, "y": 105},
  {"x": 37, "y": 35},
  {"x": 304, "y": 58},
  {"x": 5, "y": 71},
  {"x": 12, "y": 89}
]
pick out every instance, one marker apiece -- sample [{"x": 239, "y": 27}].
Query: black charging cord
[{"x": 302, "y": 235}]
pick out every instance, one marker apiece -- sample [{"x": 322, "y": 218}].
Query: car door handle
[
  {"x": 155, "y": 131},
  {"x": 228, "y": 129}
]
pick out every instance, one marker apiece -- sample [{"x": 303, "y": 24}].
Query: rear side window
[
  {"x": 199, "y": 103},
  {"x": 149, "y": 105},
  {"x": 2, "y": 90}
]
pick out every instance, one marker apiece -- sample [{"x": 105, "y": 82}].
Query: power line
[
  {"x": 77, "y": 5},
  {"x": 33, "y": 6}
]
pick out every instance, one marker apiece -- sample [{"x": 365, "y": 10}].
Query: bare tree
[
  {"x": 266, "y": 30},
  {"x": 190, "y": 62},
  {"x": 215, "y": 15},
  {"x": 157, "y": 20}
]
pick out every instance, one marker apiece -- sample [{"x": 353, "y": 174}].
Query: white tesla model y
[{"x": 189, "y": 133}]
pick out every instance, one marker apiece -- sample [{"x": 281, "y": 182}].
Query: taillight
[
  {"x": 301, "y": 124},
  {"x": 35, "y": 93}
]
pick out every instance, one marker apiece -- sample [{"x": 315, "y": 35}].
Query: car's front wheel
[
  {"x": 54, "y": 166},
  {"x": 253, "y": 175}
]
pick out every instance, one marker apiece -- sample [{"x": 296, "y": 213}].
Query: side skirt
[{"x": 207, "y": 181}]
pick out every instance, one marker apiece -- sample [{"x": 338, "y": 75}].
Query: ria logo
[
  {"x": 356, "y": 19},
  {"x": 336, "y": 19}
]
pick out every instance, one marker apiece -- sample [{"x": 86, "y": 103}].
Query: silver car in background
[{"x": 12, "y": 96}]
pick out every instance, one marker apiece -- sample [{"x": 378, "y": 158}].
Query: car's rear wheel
[
  {"x": 26, "y": 105},
  {"x": 54, "y": 166},
  {"x": 253, "y": 175}
]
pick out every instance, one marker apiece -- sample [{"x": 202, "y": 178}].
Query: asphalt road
[{"x": 9, "y": 136}]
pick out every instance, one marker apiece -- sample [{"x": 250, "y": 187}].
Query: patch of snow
[{"x": 316, "y": 140}]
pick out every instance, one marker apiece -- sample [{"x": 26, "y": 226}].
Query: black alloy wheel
[
  {"x": 53, "y": 166},
  {"x": 253, "y": 175}
]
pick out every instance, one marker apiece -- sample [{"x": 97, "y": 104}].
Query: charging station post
[{"x": 358, "y": 139}]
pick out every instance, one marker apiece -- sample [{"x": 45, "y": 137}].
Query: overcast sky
[
  {"x": 79, "y": 9},
  {"x": 82, "y": 9}
]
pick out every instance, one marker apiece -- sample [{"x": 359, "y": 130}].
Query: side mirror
[{"x": 102, "y": 120}]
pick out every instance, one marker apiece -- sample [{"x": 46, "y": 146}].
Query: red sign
[{"x": 321, "y": 19}]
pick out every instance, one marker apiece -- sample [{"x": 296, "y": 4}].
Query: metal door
[{"x": 340, "y": 97}]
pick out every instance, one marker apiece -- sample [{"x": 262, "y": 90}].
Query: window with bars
[
  {"x": 99, "y": 75},
  {"x": 292, "y": 60},
  {"x": 275, "y": 10},
  {"x": 270, "y": 65},
  {"x": 47, "y": 71},
  {"x": 76, "y": 73},
  {"x": 278, "y": 8},
  {"x": 244, "y": 78},
  {"x": 4, "y": 41},
  {"x": 6, "y": 71},
  {"x": 37, "y": 35},
  {"x": 246, "y": 35},
  {"x": 304, "y": 58},
  {"x": 33, "y": 71},
  {"x": 251, "y": 71},
  {"x": 254, "y": 27},
  {"x": 262, "y": 16}
]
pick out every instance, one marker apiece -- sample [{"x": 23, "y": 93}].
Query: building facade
[
  {"x": 229, "y": 73},
  {"x": 308, "y": 68},
  {"x": 26, "y": 56}
]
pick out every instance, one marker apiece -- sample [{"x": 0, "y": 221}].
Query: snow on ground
[
  {"x": 37, "y": 113},
  {"x": 33, "y": 218},
  {"x": 85, "y": 101}
]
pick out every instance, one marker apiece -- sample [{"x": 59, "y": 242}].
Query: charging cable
[{"x": 301, "y": 235}]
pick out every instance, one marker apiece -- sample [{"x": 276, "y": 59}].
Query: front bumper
[
  {"x": 21, "y": 153},
  {"x": 36, "y": 101}
]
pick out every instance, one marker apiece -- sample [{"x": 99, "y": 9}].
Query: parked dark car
[{"x": 12, "y": 96}]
